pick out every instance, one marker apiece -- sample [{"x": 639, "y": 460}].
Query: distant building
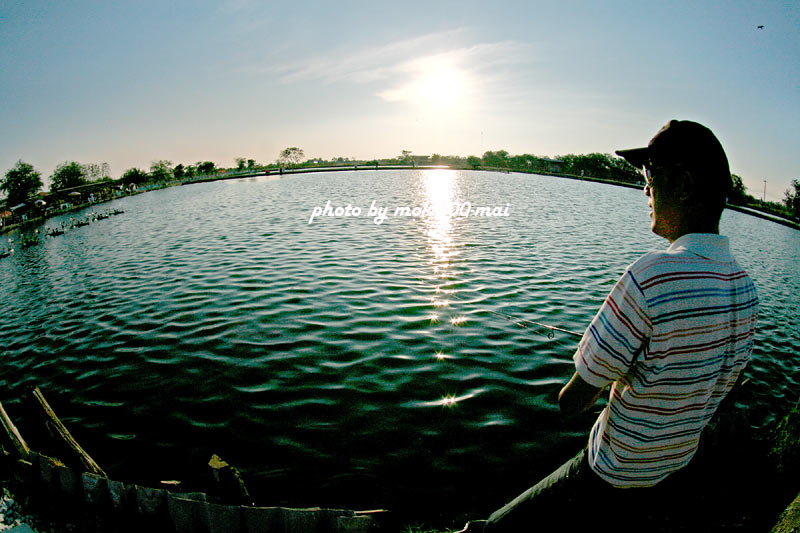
[
  {"x": 96, "y": 191},
  {"x": 552, "y": 165}
]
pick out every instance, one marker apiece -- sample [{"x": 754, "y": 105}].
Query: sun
[
  {"x": 441, "y": 88},
  {"x": 434, "y": 84}
]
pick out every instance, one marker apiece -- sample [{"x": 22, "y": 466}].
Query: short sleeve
[{"x": 616, "y": 335}]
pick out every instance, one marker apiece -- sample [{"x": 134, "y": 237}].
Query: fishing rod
[{"x": 519, "y": 322}]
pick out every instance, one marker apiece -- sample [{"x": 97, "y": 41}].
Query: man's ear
[{"x": 685, "y": 187}]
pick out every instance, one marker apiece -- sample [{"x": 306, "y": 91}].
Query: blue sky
[{"x": 129, "y": 83}]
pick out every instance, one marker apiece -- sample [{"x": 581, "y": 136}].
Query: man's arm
[{"x": 577, "y": 395}]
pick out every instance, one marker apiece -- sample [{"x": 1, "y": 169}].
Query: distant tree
[
  {"x": 206, "y": 168},
  {"x": 621, "y": 170},
  {"x": 405, "y": 156},
  {"x": 161, "y": 170},
  {"x": 738, "y": 191},
  {"x": 67, "y": 175},
  {"x": 240, "y": 163},
  {"x": 91, "y": 171},
  {"x": 601, "y": 166},
  {"x": 20, "y": 182},
  {"x": 517, "y": 161},
  {"x": 179, "y": 171},
  {"x": 791, "y": 199},
  {"x": 571, "y": 165},
  {"x": 134, "y": 176},
  {"x": 474, "y": 161},
  {"x": 591, "y": 165},
  {"x": 97, "y": 171},
  {"x": 291, "y": 156},
  {"x": 190, "y": 171},
  {"x": 495, "y": 159},
  {"x": 251, "y": 164},
  {"x": 524, "y": 162}
]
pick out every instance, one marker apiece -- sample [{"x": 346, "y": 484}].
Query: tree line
[{"x": 23, "y": 182}]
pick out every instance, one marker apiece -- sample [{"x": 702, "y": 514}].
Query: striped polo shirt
[{"x": 671, "y": 337}]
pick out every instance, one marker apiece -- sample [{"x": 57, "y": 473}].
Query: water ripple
[{"x": 330, "y": 358}]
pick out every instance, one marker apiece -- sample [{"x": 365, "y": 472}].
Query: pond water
[{"x": 345, "y": 362}]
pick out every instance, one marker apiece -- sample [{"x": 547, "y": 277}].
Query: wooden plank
[
  {"x": 88, "y": 463},
  {"x": 14, "y": 435}
]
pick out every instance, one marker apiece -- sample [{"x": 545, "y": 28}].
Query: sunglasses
[{"x": 648, "y": 177}]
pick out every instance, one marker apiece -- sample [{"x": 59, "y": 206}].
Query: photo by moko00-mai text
[{"x": 380, "y": 214}]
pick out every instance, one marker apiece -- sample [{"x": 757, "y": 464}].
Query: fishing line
[{"x": 519, "y": 322}]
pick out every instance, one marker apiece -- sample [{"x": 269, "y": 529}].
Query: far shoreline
[
  {"x": 279, "y": 172},
  {"x": 355, "y": 168}
]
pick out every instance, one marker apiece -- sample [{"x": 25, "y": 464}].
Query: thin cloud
[
  {"x": 484, "y": 73},
  {"x": 485, "y": 64},
  {"x": 387, "y": 61},
  {"x": 363, "y": 66}
]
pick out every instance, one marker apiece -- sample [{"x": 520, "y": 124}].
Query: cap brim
[{"x": 637, "y": 157}]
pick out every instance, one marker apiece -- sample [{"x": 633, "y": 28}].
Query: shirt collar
[{"x": 708, "y": 245}]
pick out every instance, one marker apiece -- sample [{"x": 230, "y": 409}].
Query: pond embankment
[
  {"x": 721, "y": 491},
  {"x": 73, "y": 493}
]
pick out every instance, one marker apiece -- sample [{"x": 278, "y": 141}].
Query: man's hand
[{"x": 577, "y": 395}]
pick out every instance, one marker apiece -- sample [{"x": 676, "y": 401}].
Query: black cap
[
  {"x": 684, "y": 143},
  {"x": 690, "y": 146}
]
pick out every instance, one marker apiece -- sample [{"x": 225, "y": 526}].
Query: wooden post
[
  {"x": 88, "y": 463},
  {"x": 14, "y": 435},
  {"x": 229, "y": 481}
]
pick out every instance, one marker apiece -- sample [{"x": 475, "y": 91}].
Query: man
[{"x": 671, "y": 339}]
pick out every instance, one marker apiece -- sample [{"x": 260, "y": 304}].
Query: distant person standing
[{"x": 671, "y": 339}]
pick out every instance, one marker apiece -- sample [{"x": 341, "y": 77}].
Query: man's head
[{"x": 689, "y": 178}]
